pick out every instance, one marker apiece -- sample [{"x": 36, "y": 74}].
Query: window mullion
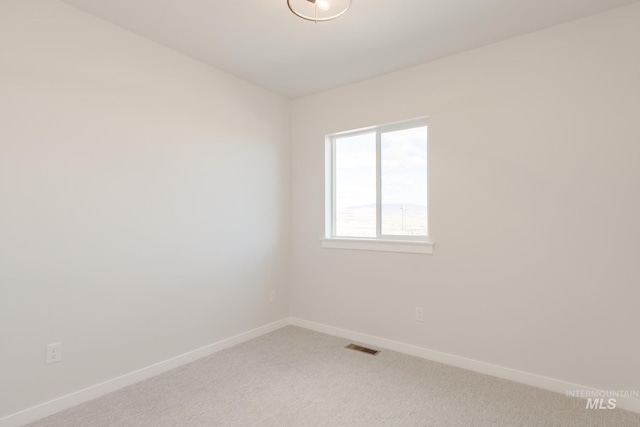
[{"x": 378, "y": 185}]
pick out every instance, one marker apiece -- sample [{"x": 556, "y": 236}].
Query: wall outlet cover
[{"x": 53, "y": 353}]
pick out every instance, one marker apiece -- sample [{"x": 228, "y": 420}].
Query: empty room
[{"x": 319, "y": 213}]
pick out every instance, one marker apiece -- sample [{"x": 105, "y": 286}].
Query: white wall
[
  {"x": 535, "y": 206},
  {"x": 144, "y": 202}
]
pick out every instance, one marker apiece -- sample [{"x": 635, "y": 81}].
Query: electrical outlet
[
  {"x": 272, "y": 295},
  {"x": 54, "y": 353},
  {"x": 419, "y": 314}
]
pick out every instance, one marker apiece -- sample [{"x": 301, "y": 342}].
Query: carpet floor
[{"x": 297, "y": 377}]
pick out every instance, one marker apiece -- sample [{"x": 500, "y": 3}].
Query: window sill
[{"x": 415, "y": 247}]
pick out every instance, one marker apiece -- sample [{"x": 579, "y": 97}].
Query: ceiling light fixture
[{"x": 319, "y": 10}]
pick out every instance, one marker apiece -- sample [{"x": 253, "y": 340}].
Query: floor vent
[{"x": 363, "y": 349}]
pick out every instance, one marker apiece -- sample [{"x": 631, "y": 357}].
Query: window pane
[
  {"x": 404, "y": 182},
  {"x": 356, "y": 186}
]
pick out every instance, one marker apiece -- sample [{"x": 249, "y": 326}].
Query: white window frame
[{"x": 389, "y": 243}]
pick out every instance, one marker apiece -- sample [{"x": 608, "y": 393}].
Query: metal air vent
[{"x": 363, "y": 349}]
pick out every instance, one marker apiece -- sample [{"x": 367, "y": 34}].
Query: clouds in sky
[{"x": 403, "y": 168}]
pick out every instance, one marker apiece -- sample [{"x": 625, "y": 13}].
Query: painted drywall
[
  {"x": 144, "y": 202},
  {"x": 534, "y": 147}
]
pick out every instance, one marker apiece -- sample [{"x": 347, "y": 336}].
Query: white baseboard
[
  {"x": 56, "y": 405},
  {"x": 527, "y": 378}
]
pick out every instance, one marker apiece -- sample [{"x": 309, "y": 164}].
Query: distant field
[{"x": 361, "y": 222}]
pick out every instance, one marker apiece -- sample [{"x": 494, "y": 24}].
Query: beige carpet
[{"x": 296, "y": 377}]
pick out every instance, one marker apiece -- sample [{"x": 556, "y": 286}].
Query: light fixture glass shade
[{"x": 319, "y": 10}]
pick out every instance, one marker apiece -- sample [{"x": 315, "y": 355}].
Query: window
[{"x": 376, "y": 188}]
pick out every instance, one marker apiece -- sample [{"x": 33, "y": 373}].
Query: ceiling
[{"x": 263, "y": 42}]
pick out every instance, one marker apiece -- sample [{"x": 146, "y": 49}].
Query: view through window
[{"x": 380, "y": 182}]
